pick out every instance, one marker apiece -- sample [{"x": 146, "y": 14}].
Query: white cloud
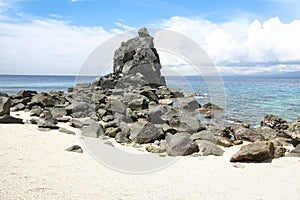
[
  {"x": 241, "y": 41},
  {"x": 44, "y": 46},
  {"x": 47, "y": 46}
]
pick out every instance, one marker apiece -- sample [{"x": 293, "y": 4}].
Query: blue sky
[{"x": 241, "y": 36}]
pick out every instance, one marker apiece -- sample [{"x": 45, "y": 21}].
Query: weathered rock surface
[
  {"x": 180, "y": 145},
  {"x": 138, "y": 56},
  {"x": 144, "y": 132},
  {"x": 207, "y": 148},
  {"x": 274, "y": 122},
  {"x": 92, "y": 130},
  {"x": 5, "y": 103},
  {"x": 255, "y": 152},
  {"x": 75, "y": 148}
]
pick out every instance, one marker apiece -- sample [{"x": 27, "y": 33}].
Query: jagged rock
[
  {"x": 138, "y": 104},
  {"x": 19, "y": 107},
  {"x": 180, "y": 145},
  {"x": 224, "y": 141},
  {"x": 115, "y": 105},
  {"x": 294, "y": 130},
  {"x": 138, "y": 56},
  {"x": 207, "y": 148},
  {"x": 58, "y": 112},
  {"x": 255, "y": 152},
  {"x": 204, "y": 135},
  {"x": 80, "y": 122},
  {"x": 144, "y": 132},
  {"x": 5, "y": 103},
  {"x": 274, "y": 122},
  {"x": 92, "y": 130},
  {"x": 36, "y": 111},
  {"x": 155, "y": 114},
  {"x": 242, "y": 133},
  {"x": 25, "y": 93},
  {"x": 75, "y": 148},
  {"x": 3, "y": 94},
  {"x": 47, "y": 123},
  {"x": 190, "y": 104},
  {"x": 112, "y": 131},
  {"x": 6, "y": 119},
  {"x": 147, "y": 92}
]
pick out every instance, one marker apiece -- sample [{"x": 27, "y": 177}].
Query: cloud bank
[{"x": 51, "y": 46}]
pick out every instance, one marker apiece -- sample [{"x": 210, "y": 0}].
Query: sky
[{"x": 240, "y": 36}]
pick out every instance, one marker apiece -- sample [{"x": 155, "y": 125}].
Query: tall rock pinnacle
[{"x": 137, "y": 60}]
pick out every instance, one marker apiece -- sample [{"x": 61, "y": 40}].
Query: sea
[{"x": 244, "y": 98}]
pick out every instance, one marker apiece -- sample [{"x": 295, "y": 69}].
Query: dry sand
[{"x": 35, "y": 165}]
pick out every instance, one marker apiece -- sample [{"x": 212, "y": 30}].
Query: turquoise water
[{"x": 247, "y": 98}]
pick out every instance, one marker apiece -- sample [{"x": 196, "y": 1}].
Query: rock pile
[{"x": 134, "y": 105}]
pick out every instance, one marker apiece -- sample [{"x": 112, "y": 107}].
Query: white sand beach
[{"x": 35, "y": 165}]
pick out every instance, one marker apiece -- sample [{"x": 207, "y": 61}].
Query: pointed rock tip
[{"x": 143, "y": 32}]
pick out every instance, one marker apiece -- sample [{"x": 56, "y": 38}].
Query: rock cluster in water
[{"x": 133, "y": 105}]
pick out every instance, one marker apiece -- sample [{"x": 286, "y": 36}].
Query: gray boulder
[
  {"x": 75, "y": 148},
  {"x": 207, "y": 148},
  {"x": 6, "y": 119},
  {"x": 92, "y": 130},
  {"x": 204, "y": 135},
  {"x": 255, "y": 152},
  {"x": 5, "y": 103},
  {"x": 180, "y": 145},
  {"x": 144, "y": 132},
  {"x": 115, "y": 105}
]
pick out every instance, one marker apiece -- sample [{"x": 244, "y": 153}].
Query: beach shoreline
[{"x": 34, "y": 164}]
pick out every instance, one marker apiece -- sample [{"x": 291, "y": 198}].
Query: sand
[{"x": 35, "y": 165}]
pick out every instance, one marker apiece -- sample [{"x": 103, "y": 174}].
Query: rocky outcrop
[
  {"x": 255, "y": 152},
  {"x": 274, "y": 122},
  {"x": 138, "y": 56}
]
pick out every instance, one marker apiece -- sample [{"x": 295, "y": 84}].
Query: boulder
[
  {"x": 75, "y": 148},
  {"x": 180, "y": 145},
  {"x": 19, "y": 107},
  {"x": 58, "y": 112},
  {"x": 115, "y": 105},
  {"x": 204, "y": 135},
  {"x": 242, "y": 133},
  {"x": 138, "y": 104},
  {"x": 207, "y": 148},
  {"x": 5, "y": 103},
  {"x": 6, "y": 119},
  {"x": 25, "y": 93},
  {"x": 294, "y": 130},
  {"x": 155, "y": 114},
  {"x": 274, "y": 122},
  {"x": 255, "y": 152},
  {"x": 190, "y": 104},
  {"x": 36, "y": 111},
  {"x": 144, "y": 132},
  {"x": 80, "y": 122},
  {"x": 92, "y": 130}
]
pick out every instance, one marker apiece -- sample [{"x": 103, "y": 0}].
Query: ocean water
[{"x": 245, "y": 98}]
